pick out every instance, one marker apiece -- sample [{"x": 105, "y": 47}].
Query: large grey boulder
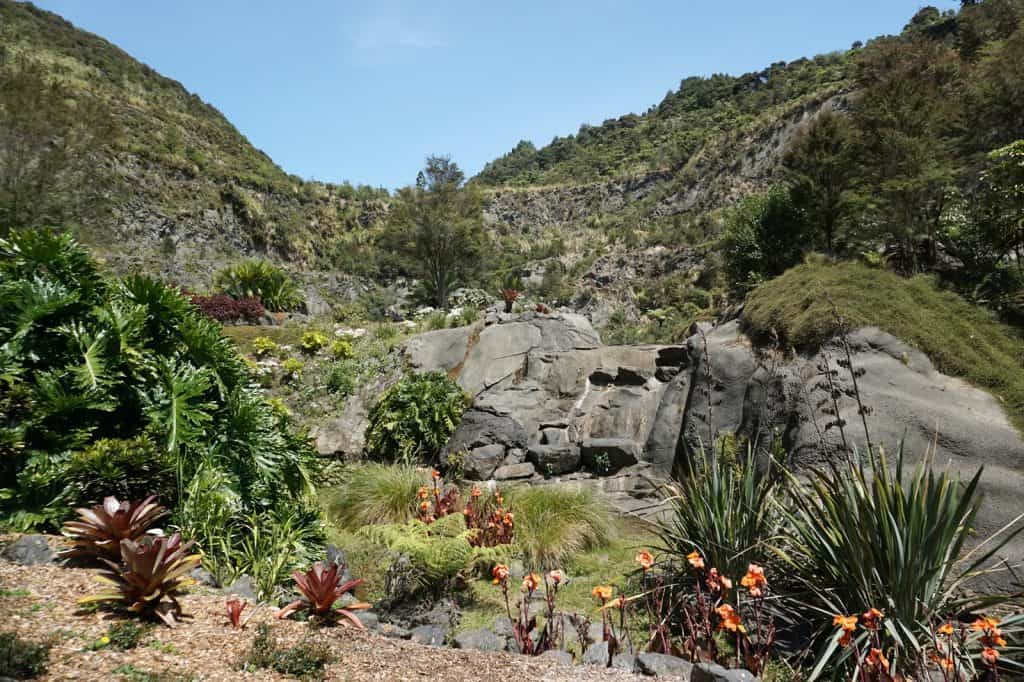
[
  {"x": 559, "y": 657},
  {"x": 479, "y": 464},
  {"x": 431, "y": 635},
  {"x": 510, "y": 472},
  {"x": 552, "y": 460},
  {"x": 29, "y": 550},
  {"x": 605, "y": 456},
  {"x": 712, "y": 672},
  {"x": 482, "y": 427},
  {"x": 440, "y": 350},
  {"x": 480, "y": 640},
  {"x": 596, "y": 654},
  {"x": 663, "y": 665}
]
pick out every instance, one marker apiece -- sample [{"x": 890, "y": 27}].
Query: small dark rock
[
  {"x": 243, "y": 587},
  {"x": 29, "y": 550},
  {"x": 663, "y": 665},
  {"x": 712, "y": 672},
  {"x": 625, "y": 662},
  {"x": 431, "y": 635},
  {"x": 560, "y": 657},
  {"x": 369, "y": 619},
  {"x": 394, "y": 631},
  {"x": 596, "y": 654},
  {"x": 203, "y": 577},
  {"x": 480, "y": 640}
]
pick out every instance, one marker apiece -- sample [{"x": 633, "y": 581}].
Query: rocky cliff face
[{"x": 553, "y": 405}]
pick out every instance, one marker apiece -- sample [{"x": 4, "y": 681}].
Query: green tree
[
  {"x": 819, "y": 162},
  {"x": 48, "y": 138},
  {"x": 764, "y": 236},
  {"x": 908, "y": 117},
  {"x": 436, "y": 228},
  {"x": 1002, "y": 200}
]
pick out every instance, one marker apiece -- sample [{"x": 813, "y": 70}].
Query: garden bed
[{"x": 40, "y": 603}]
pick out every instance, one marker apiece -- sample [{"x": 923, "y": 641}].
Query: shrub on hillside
[
  {"x": 263, "y": 280},
  {"x": 414, "y": 418},
  {"x": 129, "y": 469},
  {"x": 224, "y": 308}
]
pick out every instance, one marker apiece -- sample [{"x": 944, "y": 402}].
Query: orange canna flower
[
  {"x": 531, "y": 582},
  {"x": 847, "y": 637},
  {"x": 729, "y": 619},
  {"x": 556, "y": 577},
  {"x": 994, "y": 638},
  {"x": 718, "y": 583},
  {"x": 423, "y": 493},
  {"x": 616, "y": 603},
  {"x": 424, "y": 506},
  {"x": 847, "y": 623},
  {"x": 602, "y": 592},
  {"x": 944, "y": 662},
  {"x": 508, "y": 519},
  {"x": 990, "y": 656},
  {"x": 435, "y": 474},
  {"x": 876, "y": 659},
  {"x": 476, "y": 491},
  {"x": 500, "y": 573},
  {"x": 985, "y": 623},
  {"x": 754, "y": 580},
  {"x": 695, "y": 559},
  {"x": 645, "y": 559},
  {"x": 945, "y": 629},
  {"x": 873, "y": 618}
]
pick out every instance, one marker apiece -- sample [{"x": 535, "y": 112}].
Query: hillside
[{"x": 184, "y": 190}]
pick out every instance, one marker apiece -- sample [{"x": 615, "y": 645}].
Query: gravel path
[{"x": 206, "y": 647}]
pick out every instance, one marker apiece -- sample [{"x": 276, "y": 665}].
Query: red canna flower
[
  {"x": 718, "y": 583},
  {"x": 531, "y": 582},
  {"x": 645, "y": 559},
  {"x": 990, "y": 656},
  {"x": 873, "y": 618},
  {"x": 877, "y": 660},
  {"x": 556, "y": 577}
]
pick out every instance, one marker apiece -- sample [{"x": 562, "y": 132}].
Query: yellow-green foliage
[
  {"x": 960, "y": 338},
  {"x": 341, "y": 349},
  {"x": 312, "y": 341},
  {"x": 263, "y": 346},
  {"x": 440, "y": 550},
  {"x": 292, "y": 368},
  {"x": 554, "y": 523},
  {"x": 373, "y": 493}
]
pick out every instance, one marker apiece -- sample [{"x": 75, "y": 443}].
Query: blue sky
[{"x": 337, "y": 90}]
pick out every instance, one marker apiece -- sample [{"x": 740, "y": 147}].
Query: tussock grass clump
[
  {"x": 375, "y": 493},
  {"x": 556, "y": 523},
  {"x": 961, "y": 339}
]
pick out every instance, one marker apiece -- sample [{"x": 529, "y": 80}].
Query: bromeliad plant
[
  {"x": 99, "y": 531},
  {"x": 151, "y": 569},
  {"x": 510, "y": 296},
  {"x": 321, "y": 586},
  {"x": 234, "y": 608}
]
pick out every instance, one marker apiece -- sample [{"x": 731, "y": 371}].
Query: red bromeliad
[{"x": 321, "y": 586}]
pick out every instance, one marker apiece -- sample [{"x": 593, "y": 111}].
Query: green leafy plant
[
  {"x": 322, "y": 586},
  {"x": 869, "y": 534},
  {"x": 20, "y": 659},
  {"x": 123, "y": 468},
  {"x": 100, "y": 529},
  {"x": 312, "y": 341},
  {"x": 123, "y": 636},
  {"x": 260, "y": 279},
  {"x": 341, "y": 379},
  {"x": 305, "y": 661},
  {"x": 554, "y": 523},
  {"x": 413, "y": 419},
  {"x": 725, "y": 508},
  {"x": 152, "y": 568}
]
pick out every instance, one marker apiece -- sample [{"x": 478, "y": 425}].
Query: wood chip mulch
[{"x": 207, "y": 648}]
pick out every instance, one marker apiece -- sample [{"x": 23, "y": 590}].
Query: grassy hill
[{"x": 185, "y": 190}]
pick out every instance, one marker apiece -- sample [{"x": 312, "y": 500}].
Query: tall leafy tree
[
  {"x": 436, "y": 227},
  {"x": 908, "y": 118},
  {"x": 819, "y": 162}
]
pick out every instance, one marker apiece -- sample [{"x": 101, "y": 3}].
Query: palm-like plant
[
  {"x": 100, "y": 529},
  {"x": 726, "y": 509},
  {"x": 152, "y": 568},
  {"x": 322, "y": 586},
  {"x": 868, "y": 535}
]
